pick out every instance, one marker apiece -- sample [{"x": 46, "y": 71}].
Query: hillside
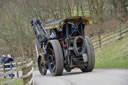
[{"x": 114, "y": 55}]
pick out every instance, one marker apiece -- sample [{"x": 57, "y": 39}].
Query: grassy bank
[
  {"x": 114, "y": 55},
  {"x": 19, "y": 82}
]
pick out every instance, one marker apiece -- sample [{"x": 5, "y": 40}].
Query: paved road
[{"x": 76, "y": 77}]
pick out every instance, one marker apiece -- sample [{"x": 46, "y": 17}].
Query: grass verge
[
  {"x": 19, "y": 82},
  {"x": 114, "y": 55}
]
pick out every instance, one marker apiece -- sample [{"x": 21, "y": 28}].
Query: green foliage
[{"x": 114, "y": 55}]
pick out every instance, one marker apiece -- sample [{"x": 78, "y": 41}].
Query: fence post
[
  {"x": 25, "y": 70},
  {"x": 120, "y": 33},
  {"x": 99, "y": 36},
  {"x": 4, "y": 69},
  {"x": 17, "y": 73},
  {"x": 36, "y": 50},
  {"x": 11, "y": 69}
]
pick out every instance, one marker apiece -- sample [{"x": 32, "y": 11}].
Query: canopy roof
[{"x": 74, "y": 20}]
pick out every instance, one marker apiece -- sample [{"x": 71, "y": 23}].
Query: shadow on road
[{"x": 74, "y": 72}]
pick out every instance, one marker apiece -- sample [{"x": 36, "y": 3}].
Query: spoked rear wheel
[
  {"x": 90, "y": 56},
  {"x": 55, "y": 57},
  {"x": 42, "y": 65}
]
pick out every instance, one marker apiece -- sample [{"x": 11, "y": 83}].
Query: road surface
[{"x": 76, "y": 77}]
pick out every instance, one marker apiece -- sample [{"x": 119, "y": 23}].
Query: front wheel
[
  {"x": 41, "y": 65},
  {"x": 90, "y": 56}
]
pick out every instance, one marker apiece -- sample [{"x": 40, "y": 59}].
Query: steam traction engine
[{"x": 64, "y": 45}]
